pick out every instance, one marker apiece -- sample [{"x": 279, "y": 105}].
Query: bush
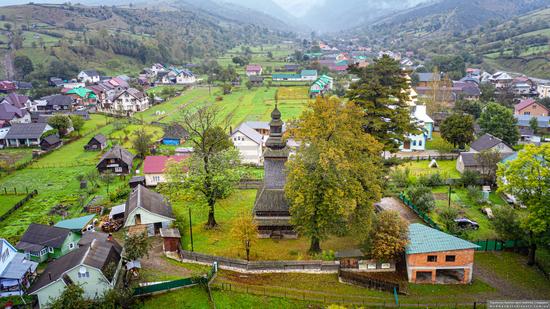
[
  {"x": 432, "y": 180},
  {"x": 470, "y": 178},
  {"x": 422, "y": 197},
  {"x": 474, "y": 193},
  {"x": 401, "y": 177},
  {"x": 120, "y": 193}
]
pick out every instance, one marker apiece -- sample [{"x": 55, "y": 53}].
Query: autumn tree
[
  {"x": 528, "y": 179},
  {"x": 382, "y": 93},
  {"x": 213, "y": 169},
  {"x": 440, "y": 93},
  {"x": 499, "y": 121},
  {"x": 141, "y": 142},
  {"x": 245, "y": 230},
  {"x": 458, "y": 129},
  {"x": 335, "y": 178},
  {"x": 389, "y": 236}
]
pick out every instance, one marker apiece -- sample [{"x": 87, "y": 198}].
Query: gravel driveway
[{"x": 392, "y": 203}]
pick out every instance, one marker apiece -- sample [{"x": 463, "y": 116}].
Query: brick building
[
  {"x": 436, "y": 257},
  {"x": 530, "y": 107}
]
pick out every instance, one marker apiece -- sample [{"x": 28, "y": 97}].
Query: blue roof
[
  {"x": 423, "y": 239},
  {"x": 76, "y": 223}
]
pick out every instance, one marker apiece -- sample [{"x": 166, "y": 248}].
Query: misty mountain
[
  {"x": 452, "y": 16},
  {"x": 336, "y": 15},
  {"x": 234, "y": 12},
  {"x": 268, "y": 7}
]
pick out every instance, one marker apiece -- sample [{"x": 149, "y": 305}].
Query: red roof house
[
  {"x": 253, "y": 70},
  {"x": 6, "y": 86},
  {"x": 530, "y": 107},
  {"x": 154, "y": 168}
]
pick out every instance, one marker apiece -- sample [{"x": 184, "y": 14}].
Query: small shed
[
  {"x": 349, "y": 258},
  {"x": 96, "y": 143},
  {"x": 174, "y": 134},
  {"x": 171, "y": 237},
  {"x": 136, "y": 181},
  {"x": 50, "y": 142},
  {"x": 117, "y": 212}
]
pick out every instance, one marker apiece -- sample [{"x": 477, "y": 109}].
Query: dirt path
[
  {"x": 158, "y": 263},
  {"x": 392, "y": 203},
  {"x": 504, "y": 288}
]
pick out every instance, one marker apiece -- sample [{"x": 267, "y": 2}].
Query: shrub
[
  {"x": 401, "y": 177},
  {"x": 422, "y": 197},
  {"x": 432, "y": 180},
  {"x": 447, "y": 217},
  {"x": 120, "y": 193},
  {"x": 470, "y": 178},
  {"x": 474, "y": 193}
]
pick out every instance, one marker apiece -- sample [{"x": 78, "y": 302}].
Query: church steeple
[{"x": 275, "y": 140}]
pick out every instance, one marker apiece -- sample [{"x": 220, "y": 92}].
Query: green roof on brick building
[{"x": 423, "y": 239}]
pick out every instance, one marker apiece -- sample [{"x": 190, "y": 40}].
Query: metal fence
[
  {"x": 499, "y": 245},
  {"x": 258, "y": 266},
  {"x": 164, "y": 286},
  {"x": 419, "y": 212}
]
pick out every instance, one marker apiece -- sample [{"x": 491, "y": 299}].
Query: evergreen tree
[{"x": 382, "y": 93}]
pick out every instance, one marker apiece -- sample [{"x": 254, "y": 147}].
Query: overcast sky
[{"x": 297, "y": 7}]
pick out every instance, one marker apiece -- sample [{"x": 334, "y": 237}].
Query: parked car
[{"x": 465, "y": 223}]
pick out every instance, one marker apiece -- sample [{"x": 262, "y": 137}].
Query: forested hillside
[{"x": 60, "y": 38}]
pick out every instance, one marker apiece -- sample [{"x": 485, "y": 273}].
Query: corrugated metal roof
[
  {"x": 423, "y": 239},
  {"x": 75, "y": 223}
]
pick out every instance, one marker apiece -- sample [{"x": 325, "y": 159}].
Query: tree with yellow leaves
[
  {"x": 335, "y": 177},
  {"x": 246, "y": 231}
]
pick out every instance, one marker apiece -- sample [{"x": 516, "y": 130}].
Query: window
[
  {"x": 432, "y": 258},
  {"x": 43, "y": 251},
  {"x": 118, "y": 169},
  {"x": 419, "y": 143},
  {"x": 414, "y": 143},
  {"x": 83, "y": 272},
  {"x": 71, "y": 246},
  {"x": 50, "y": 249},
  {"x": 527, "y": 113},
  {"x": 450, "y": 258}
]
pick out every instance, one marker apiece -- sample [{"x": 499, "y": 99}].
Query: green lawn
[
  {"x": 7, "y": 201},
  {"x": 197, "y": 297},
  {"x": 447, "y": 169},
  {"x": 469, "y": 209},
  {"x": 219, "y": 241},
  {"x": 512, "y": 268},
  {"x": 125, "y": 136},
  {"x": 170, "y": 110},
  {"x": 438, "y": 143}
]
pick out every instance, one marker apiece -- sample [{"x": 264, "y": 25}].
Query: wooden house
[
  {"x": 117, "y": 160},
  {"x": 42, "y": 242},
  {"x": 147, "y": 209},
  {"x": 16, "y": 270},
  {"x": 98, "y": 142},
  {"x": 50, "y": 142}
]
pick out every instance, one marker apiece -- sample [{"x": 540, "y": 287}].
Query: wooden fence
[
  {"x": 18, "y": 205},
  {"x": 370, "y": 283},
  {"x": 262, "y": 266}
]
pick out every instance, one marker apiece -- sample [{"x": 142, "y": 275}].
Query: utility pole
[
  {"x": 450, "y": 192},
  {"x": 191, "y": 230}
]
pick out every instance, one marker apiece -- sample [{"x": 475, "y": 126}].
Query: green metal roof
[
  {"x": 423, "y": 239},
  {"x": 81, "y": 92},
  {"x": 76, "y": 223},
  {"x": 286, "y": 76},
  {"x": 309, "y": 72}
]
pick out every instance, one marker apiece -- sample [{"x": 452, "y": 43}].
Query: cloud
[{"x": 299, "y": 7}]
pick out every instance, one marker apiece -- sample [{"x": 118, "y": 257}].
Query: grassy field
[
  {"x": 469, "y": 209},
  {"x": 447, "y": 169},
  {"x": 7, "y": 201},
  {"x": 220, "y": 242},
  {"x": 171, "y": 110},
  {"x": 54, "y": 176},
  {"x": 125, "y": 137}
]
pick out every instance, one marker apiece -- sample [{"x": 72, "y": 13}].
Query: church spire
[{"x": 275, "y": 140}]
